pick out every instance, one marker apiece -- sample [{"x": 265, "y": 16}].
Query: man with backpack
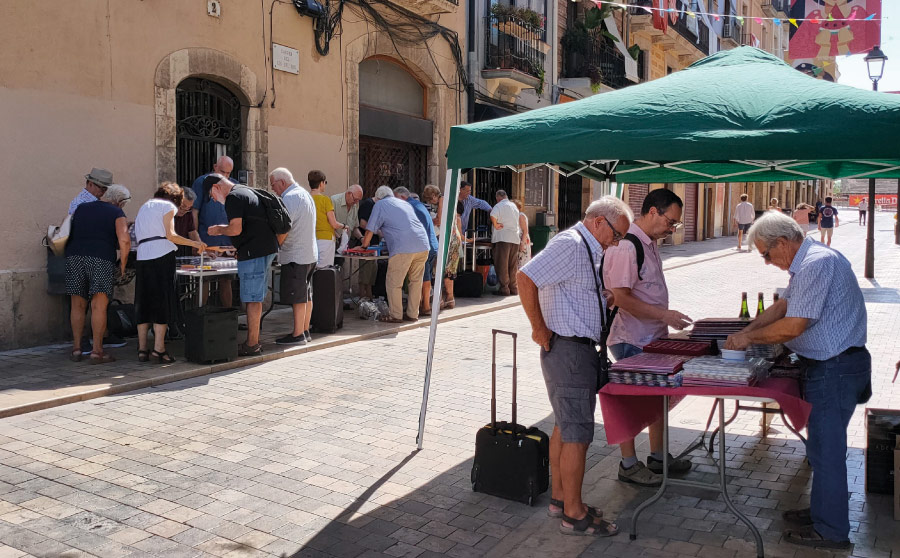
[
  {"x": 633, "y": 272},
  {"x": 256, "y": 220}
]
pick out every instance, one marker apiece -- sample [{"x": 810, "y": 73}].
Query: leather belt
[{"x": 579, "y": 340}]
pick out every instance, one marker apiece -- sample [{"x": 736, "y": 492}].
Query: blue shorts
[
  {"x": 254, "y": 275},
  {"x": 429, "y": 267},
  {"x": 624, "y": 350}
]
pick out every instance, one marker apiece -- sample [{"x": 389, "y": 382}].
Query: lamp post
[{"x": 875, "y": 63}]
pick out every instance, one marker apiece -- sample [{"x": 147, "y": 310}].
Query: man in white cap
[{"x": 95, "y": 185}]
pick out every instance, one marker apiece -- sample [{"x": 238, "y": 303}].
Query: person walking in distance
[
  {"x": 297, "y": 255},
  {"x": 560, "y": 289},
  {"x": 863, "y": 208},
  {"x": 744, "y": 214},
  {"x": 828, "y": 220}
]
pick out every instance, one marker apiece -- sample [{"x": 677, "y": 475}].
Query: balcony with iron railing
[
  {"x": 775, "y": 8},
  {"x": 689, "y": 27},
  {"x": 513, "y": 45},
  {"x": 589, "y": 54},
  {"x": 732, "y": 30}
]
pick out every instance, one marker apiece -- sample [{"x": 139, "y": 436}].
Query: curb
[{"x": 86, "y": 392}]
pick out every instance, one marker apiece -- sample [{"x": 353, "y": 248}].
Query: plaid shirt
[
  {"x": 824, "y": 290},
  {"x": 83, "y": 197},
  {"x": 566, "y": 283}
]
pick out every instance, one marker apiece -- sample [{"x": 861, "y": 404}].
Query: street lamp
[{"x": 875, "y": 64}]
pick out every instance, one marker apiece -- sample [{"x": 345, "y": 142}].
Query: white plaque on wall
[{"x": 285, "y": 59}]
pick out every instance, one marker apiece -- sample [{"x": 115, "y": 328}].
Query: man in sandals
[
  {"x": 644, "y": 315},
  {"x": 561, "y": 293},
  {"x": 821, "y": 318}
]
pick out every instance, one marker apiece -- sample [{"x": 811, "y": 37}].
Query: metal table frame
[{"x": 723, "y": 483}]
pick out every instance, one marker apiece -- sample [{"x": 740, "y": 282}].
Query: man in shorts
[
  {"x": 744, "y": 215},
  {"x": 298, "y": 254},
  {"x": 562, "y": 296},
  {"x": 863, "y": 208},
  {"x": 255, "y": 245},
  {"x": 828, "y": 220}
]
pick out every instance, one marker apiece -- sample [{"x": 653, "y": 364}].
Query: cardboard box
[
  {"x": 882, "y": 429},
  {"x": 897, "y": 480}
]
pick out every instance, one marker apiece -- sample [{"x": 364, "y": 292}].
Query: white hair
[
  {"x": 282, "y": 173},
  {"x": 502, "y": 194},
  {"x": 610, "y": 208},
  {"x": 401, "y": 192},
  {"x": 383, "y": 192},
  {"x": 772, "y": 226},
  {"x": 189, "y": 194},
  {"x": 116, "y": 194}
]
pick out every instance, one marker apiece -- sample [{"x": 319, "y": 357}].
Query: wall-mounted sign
[{"x": 285, "y": 59}]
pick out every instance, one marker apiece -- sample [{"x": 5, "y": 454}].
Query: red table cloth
[{"x": 628, "y": 409}]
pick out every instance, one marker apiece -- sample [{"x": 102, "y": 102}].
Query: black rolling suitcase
[
  {"x": 511, "y": 461},
  {"x": 468, "y": 284},
  {"x": 328, "y": 300}
]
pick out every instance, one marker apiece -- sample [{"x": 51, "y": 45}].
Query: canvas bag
[{"x": 58, "y": 236}]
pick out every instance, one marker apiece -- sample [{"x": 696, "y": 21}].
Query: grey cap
[{"x": 100, "y": 177}]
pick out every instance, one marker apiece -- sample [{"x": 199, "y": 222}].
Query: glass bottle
[
  {"x": 775, "y": 297},
  {"x": 760, "y": 307},
  {"x": 745, "y": 310}
]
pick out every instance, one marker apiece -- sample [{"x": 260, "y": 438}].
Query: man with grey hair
[
  {"x": 184, "y": 222},
  {"x": 562, "y": 295},
  {"x": 346, "y": 208},
  {"x": 298, "y": 254},
  {"x": 505, "y": 243},
  {"x": 207, "y": 212},
  {"x": 821, "y": 318},
  {"x": 408, "y": 245}
]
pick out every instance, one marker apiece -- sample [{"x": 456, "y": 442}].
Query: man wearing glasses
[
  {"x": 346, "y": 206},
  {"x": 95, "y": 185},
  {"x": 821, "y": 318},
  {"x": 644, "y": 315}
]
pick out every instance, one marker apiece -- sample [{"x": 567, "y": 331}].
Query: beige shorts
[{"x": 826, "y": 232}]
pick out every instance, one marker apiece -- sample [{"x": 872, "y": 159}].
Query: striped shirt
[
  {"x": 824, "y": 290},
  {"x": 83, "y": 197},
  {"x": 469, "y": 204},
  {"x": 566, "y": 283}
]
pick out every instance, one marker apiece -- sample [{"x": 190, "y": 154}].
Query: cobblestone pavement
[{"x": 314, "y": 455}]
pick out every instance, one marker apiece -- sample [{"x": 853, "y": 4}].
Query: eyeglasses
[
  {"x": 673, "y": 223},
  {"x": 617, "y": 236},
  {"x": 766, "y": 255}
]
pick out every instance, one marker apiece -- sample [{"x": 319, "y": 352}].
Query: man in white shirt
[
  {"x": 744, "y": 215},
  {"x": 505, "y": 241},
  {"x": 863, "y": 208},
  {"x": 297, "y": 255}
]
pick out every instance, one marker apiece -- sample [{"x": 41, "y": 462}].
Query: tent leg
[{"x": 451, "y": 193}]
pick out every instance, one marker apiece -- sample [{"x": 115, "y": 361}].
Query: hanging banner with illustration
[{"x": 834, "y": 28}]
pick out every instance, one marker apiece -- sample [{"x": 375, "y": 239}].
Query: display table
[
  {"x": 200, "y": 274},
  {"x": 628, "y": 409}
]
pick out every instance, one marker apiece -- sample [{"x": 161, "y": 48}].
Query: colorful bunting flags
[{"x": 759, "y": 20}]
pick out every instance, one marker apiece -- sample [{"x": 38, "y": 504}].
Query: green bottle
[
  {"x": 745, "y": 310},
  {"x": 760, "y": 307}
]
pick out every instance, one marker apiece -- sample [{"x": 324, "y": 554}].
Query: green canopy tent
[{"x": 737, "y": 116}]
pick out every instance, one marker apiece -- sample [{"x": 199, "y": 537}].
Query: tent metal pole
[
  {"x": 448, "y": 215},
  {"x": 870, "y": 233}
]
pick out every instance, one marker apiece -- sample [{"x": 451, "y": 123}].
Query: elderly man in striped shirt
[
  {"x": 821, "y": 318},
  {"x": 561, "y": 292}
]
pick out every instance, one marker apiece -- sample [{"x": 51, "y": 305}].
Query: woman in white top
[
  {"x": 524, "y": 237},
  {"x": 154, "y": 292}
]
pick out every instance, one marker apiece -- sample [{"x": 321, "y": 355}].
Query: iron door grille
[
  {"x": 391, "y": 163},
  {"x": 570, "y": 211},
  {"x": 208, "y": 125}
]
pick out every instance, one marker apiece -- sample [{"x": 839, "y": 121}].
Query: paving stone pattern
[{"x": 314, "y": 455}]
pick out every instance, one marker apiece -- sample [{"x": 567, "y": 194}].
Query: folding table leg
[
  {"x": 662, "y": 487},
  {"x": 724, "y": 483},
  {"x": 721, "y": 427}
]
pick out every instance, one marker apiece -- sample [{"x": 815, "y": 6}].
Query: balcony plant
[{"x": 525, "y": 15}]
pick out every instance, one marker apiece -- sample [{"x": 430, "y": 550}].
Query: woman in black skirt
[{"x": 154, "y": 296}]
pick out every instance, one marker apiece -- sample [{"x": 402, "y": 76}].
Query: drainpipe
[{"x": 471, "y": 59}]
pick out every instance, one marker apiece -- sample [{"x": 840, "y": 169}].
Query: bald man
[
  {"x": 346, "y": 208},
  {"x": 208, "y": 212}
]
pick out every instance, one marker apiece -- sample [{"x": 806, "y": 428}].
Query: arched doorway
[
  {"x": 207, "y": 125},
  {"x": 394, "y": 132}
]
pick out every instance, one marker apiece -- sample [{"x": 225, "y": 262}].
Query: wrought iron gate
[
  {"x": 570, "y": 210},
  {"x": 391, "y": 163},
  {"x": 208, "y": 125}
]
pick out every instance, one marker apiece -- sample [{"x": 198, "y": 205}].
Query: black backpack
[
  {"x": 639, "y": 250},
  {"x": 276, "y": 212}
]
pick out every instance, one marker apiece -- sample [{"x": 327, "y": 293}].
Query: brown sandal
[
  {"x": 102, "y": 358},
  {"x": 75, "y": 356},
  {"x": 448, "y": 304},
  {"x": 388, "y": 319}
]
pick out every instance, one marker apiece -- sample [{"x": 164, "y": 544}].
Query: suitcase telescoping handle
[{"x": 514, "y": 336}]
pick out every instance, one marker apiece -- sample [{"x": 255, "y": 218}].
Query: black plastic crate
[
  {"x": 211, "y": 334},
  {"x": 882, "y": 429}
]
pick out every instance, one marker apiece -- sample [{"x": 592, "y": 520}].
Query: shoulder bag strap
[{"x": 606, "y": 316}]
